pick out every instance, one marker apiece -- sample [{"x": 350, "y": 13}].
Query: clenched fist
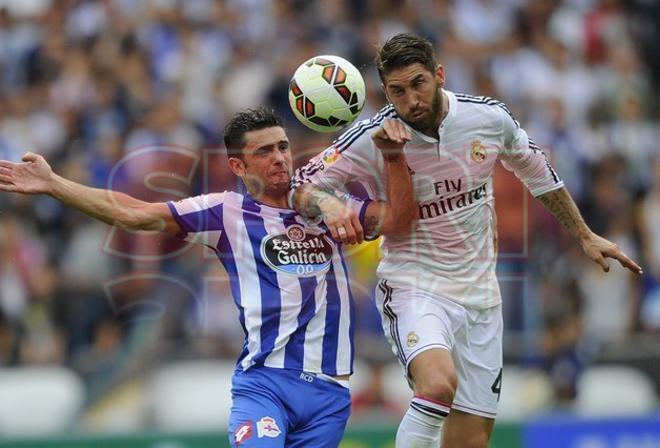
[{"x": 391, "y": 138}]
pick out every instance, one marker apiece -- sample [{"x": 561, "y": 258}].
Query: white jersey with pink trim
[{"x": 451, "y": 251}]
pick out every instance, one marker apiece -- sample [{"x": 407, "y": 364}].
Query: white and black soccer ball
[{"x": 327, "y": 93}]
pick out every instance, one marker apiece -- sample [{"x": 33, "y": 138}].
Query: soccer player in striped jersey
[
  {"x": 438, "y": 294},
  {"x": 288, "y": 277}
]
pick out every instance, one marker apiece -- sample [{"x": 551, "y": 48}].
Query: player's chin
[
  {"x": 419, "y": 121},
  {"x": 281, "y": 177},
  {"x": 280, "y": 185},
  {"x": 417, "y": 117}
]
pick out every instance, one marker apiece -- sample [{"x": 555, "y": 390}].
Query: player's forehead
[
  {"x": 264, "y": 137},
  {"x": 405, "y": 75}
]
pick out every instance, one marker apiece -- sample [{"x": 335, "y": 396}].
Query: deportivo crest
[
  {"x": 297, "y": 252},
  {"x": 477, "y": 151},
  {"x": 330, "y": 156},
  {"x": 267, "y": 427},
  {"x": 412, "y": 339}
]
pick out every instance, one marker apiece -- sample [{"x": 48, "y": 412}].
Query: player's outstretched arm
[
  {"x": 561, "y": 205},
  {"x": 34, "y": 176},
  {"x": 396, "y": 216}
]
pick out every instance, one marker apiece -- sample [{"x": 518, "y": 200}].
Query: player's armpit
[{"x": 157, "y": 216}]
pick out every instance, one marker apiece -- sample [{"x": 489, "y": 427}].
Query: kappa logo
[
  {"x": 243, "y": 433},
  {"x": 412, "y": 339},
  {"x": 267, "y": 427},
  {"x": 478, "y": 151}
]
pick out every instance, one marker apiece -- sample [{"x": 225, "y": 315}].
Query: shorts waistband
[
  {"x": 310, "y": 377},
  {"x": 328, "y": 378}
]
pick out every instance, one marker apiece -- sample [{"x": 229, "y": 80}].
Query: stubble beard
[
  {"x": 429, "y": 126},
  {"x": 257, "y": 187}
]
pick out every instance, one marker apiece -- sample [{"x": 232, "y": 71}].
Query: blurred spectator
[
  {"x": 609, "y": 299},
  {"x": 27, "y": 284},
  {"x": 562, "y": 360},
  {"x": 649, "y": 217},
  {"x": 372, "y": 403}
]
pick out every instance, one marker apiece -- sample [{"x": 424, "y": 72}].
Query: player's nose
[
  {"x": 279, "y": 155},
  {"x": 279, "y": 159}
]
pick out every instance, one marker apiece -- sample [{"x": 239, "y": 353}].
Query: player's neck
[
  {"x": 444, "y": 108},
  {"x": 272, "y": 199}
]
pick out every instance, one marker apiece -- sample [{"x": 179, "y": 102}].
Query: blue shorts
[{"x": 286, "y": 408}]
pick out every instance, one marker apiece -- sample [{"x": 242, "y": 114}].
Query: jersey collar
[
  {"x": 453, "y": 105},
  {"x": 269, "y": 209}
]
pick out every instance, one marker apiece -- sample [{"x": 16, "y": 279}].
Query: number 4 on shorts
[{"x": 497, "y": 385}]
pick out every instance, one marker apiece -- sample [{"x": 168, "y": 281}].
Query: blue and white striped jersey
[{"x": 288, "y": 279}]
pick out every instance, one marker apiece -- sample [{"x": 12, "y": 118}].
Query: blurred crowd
[{"x": 133, "y": 95}]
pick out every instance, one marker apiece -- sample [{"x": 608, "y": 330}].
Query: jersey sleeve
[
  {"x": 525, "y": 158},
  {"x": 350, "y": 159},
  {"x": 359, "y": 206},
  {"x": 199, "y": 218},
  {"x": 329, "y": 170},
  {"x": 338, "y": 165}
]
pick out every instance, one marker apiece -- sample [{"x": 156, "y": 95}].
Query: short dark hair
[
  {"x": 402, "y": 50},
  {"x": 245, "y": 121}
]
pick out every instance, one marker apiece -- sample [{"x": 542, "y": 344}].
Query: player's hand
[
  {"x": 32, "y": 176},
  {"x": 599, "y": 249},
  {"x": 391, "y": 138},
  {"x": 342, "y": 221}
]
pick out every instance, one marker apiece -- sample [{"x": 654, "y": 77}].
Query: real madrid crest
[
  {"x": 412, "y": 339},
  {"x": 477, "y": 151}
]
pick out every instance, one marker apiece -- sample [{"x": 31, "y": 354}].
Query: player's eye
[{"x": 284, "y": 146}]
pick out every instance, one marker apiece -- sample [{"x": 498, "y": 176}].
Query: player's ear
[
  {"x": 237, "y": 166},
  {"x": 440, "y": 75}
]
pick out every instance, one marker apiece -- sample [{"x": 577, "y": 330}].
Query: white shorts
[{"x": 415, "y": 321}]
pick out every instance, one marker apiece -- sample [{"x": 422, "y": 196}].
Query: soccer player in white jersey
[
  {"x": 288, "y": 278},
  {"x": 438, "y": 294}
]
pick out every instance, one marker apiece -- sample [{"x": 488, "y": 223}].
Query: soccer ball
[{"x": 326, "y": 93}]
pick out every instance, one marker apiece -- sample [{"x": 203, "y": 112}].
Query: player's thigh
[
  {"x": 478, "y": 362},
  {"x": 256, "y": 421},
  {"x": 415, "y": 322},
  {"x": 432, "y": 372},
  {"x": 463, "y": 430},
  {"x": 328, "y": 410}
]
